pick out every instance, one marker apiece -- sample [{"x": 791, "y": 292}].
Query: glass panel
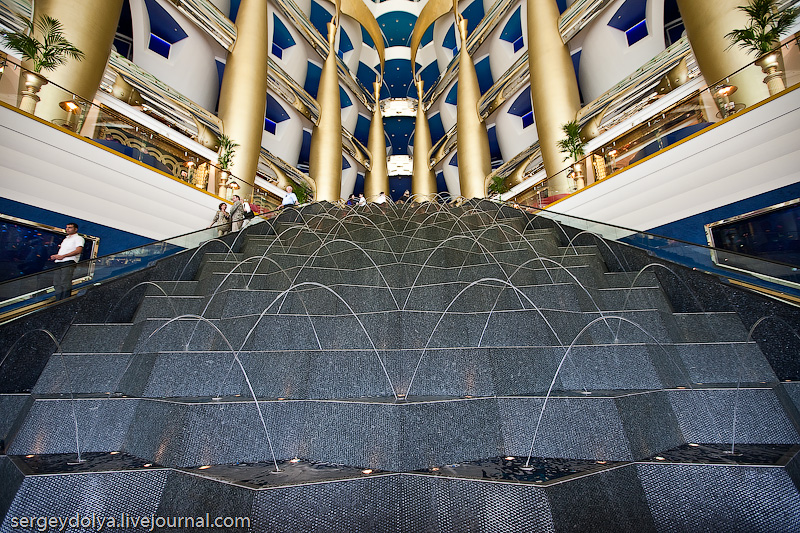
[{"x": 31, "y": 291}]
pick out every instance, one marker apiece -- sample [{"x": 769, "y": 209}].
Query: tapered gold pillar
[
  {"x": 707, "y": 22},
  {"x": 90, "y": 25},
  {"x": 325, "y": 159},
  {"x": 376, "y": 180},
  {"x": 474, "y": 157},
  {"x": 423, "y": 180},
  {"x": 554, "y": 89},
  {"x": 243, "y": 96}
]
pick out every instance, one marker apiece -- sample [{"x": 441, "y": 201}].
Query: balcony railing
[
  {"x": 27, "y": 293},
  {"x": 116, "y": 131},
  {"x": 688, "y": 116}
]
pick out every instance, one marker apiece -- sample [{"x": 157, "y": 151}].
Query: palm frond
[
  {"x": 765, "y": 26},
  {"x": 53, "y": 50},
  {"x": 572, "y": 145}
]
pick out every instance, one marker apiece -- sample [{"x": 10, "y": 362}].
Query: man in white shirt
[
  {"x": 381, "y": 199},
  {"x": 69, "y": 253},
  {"x": 290, "y": 198}
]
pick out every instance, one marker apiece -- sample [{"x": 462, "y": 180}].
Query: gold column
[
  {"x": 554, "y": 89},
  {"x": 90, "y": 25},
  {"x": 474, "y": 158},
  {"x": 706, "y": 23},
  {"x": 423, "y": 180},
  {"x": 325, "y": 159},
  {"x": 243, "y": 95},
  {"x": 376, "y": 179}
]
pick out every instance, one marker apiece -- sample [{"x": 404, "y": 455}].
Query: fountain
[{"x": 522, "y": 383}]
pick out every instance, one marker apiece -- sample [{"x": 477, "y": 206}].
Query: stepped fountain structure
[{"x": 408, "y": 368}]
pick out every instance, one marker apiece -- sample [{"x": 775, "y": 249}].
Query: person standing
[
  {"x": 69, "y": 253},
  {"x": 222, "y": 220},
  {"x": 290, "y": 198},
  {"x": 237, "y": 213}
]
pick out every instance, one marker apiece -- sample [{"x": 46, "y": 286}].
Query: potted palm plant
[
  {"x": 227, "y": 149},
  {"x": 573, "y": 146},
  {"x": 46, "y": 54},
  {"x": 762, "y": 36}
]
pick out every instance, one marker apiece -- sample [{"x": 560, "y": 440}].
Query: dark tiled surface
[{"x": 383, "y": 305}]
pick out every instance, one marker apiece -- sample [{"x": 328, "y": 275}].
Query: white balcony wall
[
  {"x": 606, "y": 57},
  {"x": 191, "y": 67},
  {"x": 293, "y": 60}
]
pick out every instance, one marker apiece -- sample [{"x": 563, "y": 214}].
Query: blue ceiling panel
[
  {"x": 450, "y": 39},
  {"x": 474, "y": 14},
  {"x": 365, "y": 38},
  {"x": 494, "y": 146},
  {"x": 313, "y": 74},
  {"x": 513, "y": 28},
  {"x": 637, "y": 33},
  {"x": 359, "y": 186},
  {"x": 305, "y": 151},
  {"x": 397, "y": 78},
  {"x": 275, "y": 111},
  {"x": 345, "y": 44},
  {"x": 452, "y": 96},
  {"x": 366, "y": 76},
  {"x": 454, "y": 160},
  {"x": 484, "y": 72},
  {"x": 522, "y": 105},
  {"x": 436, "y": 127},
  {"x": 429, "y": 75},
  {"x": 162, "y": 25},
  {"x": 234, "y": 9},
  {"x": 280, "y": 34},
  {"x": 427, "y": 37},
  {"x": 441, "y": 184},
  {"x": 345, "y": 163},
  {"x": 362, "y": 129},
  {"x": 399, "y": 131},
  {"x": 159, "y": 46},
  {"x": 320, "y": 17},
  {"x": 399, "y": 185},
  {"x": 397, "y": 27},
  {"x": 344, "y": 99},
  {"x": 629, "y": 14}
]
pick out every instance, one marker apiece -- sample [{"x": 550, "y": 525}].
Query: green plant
[
  {"x": 497, "y": 185},
  {"x": 765, "y": 27},
  {"x": 53, "y": 50},
  {"x": 572, "y": 145},
  {"x": 302, "y": 191},
  {"x": 227, "y": 149}
]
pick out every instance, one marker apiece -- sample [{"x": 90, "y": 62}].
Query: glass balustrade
[
  {"x": 776, "y": 277},
  {"x": 35, "y": 290}
]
